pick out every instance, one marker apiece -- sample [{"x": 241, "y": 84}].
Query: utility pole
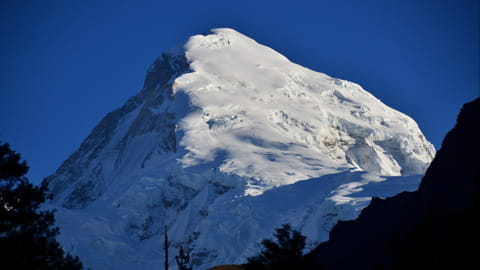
[{"x": 166, "y": 247}]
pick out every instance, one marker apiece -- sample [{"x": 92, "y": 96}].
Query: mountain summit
[{"x": 227, "y": 140}]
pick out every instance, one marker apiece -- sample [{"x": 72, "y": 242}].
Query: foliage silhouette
[
  {"x": 284, "y": 254},
  {"x": 183, "y": 260},
  {"x": 27, "y": 233}
]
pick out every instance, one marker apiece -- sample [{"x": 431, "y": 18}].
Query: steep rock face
[
  {"x": 431, "y": 228},
  {"x": 83, "y": 173},
  {"x": 227, "y": 140}
]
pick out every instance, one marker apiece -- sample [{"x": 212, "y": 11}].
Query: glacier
[{"x": 226, "y": 141}]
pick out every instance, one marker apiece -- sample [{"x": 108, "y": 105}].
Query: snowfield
[{"x": 228, "y": 140}]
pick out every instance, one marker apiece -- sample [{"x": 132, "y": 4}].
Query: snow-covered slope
[{"x": 227, "y": 140}]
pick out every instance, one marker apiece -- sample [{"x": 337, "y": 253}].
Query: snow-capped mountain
[{"x": 227, "y": 140}]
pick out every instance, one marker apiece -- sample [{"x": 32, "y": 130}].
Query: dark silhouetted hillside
[{"x": 435, "y": 227}]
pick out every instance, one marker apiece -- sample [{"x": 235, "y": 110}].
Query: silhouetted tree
[
  {"x": 27, "y": 233},
  {"x": 284, "y": 254},
  {"x": 183, "y": 260}
]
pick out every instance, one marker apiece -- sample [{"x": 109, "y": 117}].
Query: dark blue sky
[{"x": 65, "y": 64}]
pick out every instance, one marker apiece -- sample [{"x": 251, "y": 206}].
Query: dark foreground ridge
[{"x": 435, "y": 227}]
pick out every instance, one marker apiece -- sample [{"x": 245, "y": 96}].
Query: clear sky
[{"x": 65, "y": 64}]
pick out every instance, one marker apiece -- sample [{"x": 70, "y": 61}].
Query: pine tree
[
  {"x": 183, "y": 260},
  {"x": 284, "y": 254},
  {"x": 27, "y": 233}
]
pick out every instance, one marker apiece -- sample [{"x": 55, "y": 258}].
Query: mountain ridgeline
[
  {"x": 226, "y": 141},
  {"x": 435, "y": 227}
]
